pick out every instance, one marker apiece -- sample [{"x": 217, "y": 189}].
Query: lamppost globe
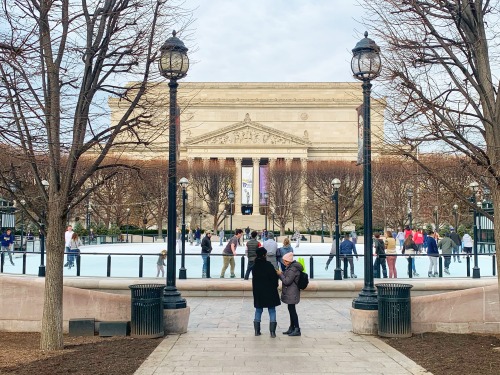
[
  {"x": 174, "y": 61},
  {"x": 455, "y": 207},
  {"x": 336, "y": 183},
  {"x": 230, "y": 195},
  {"x": 23, "y": 202},
  {"x": 45, "y": 184},
  {"x": 474, "y": 186},
  {"x": 365, "y": 63},
  {"x": 409, "y": 193}
]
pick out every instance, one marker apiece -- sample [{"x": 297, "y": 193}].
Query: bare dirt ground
[
  {"x": 19, "y": 354},
  {"x": 452, "y": 354}
]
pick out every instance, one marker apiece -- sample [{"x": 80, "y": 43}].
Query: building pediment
[{"x": 249, "y": 132}]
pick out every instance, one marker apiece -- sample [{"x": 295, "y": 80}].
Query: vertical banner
[
  {"x": 246, "y": 185},
  {"x": 359, "y": 110},
  {"x": 262, "y": 183}
]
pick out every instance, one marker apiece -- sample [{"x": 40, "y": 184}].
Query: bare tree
[
  {"x": 53, "y": 110},
  {"x": 439, "y": 64}
]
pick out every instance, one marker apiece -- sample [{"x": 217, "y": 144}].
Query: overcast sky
[{"x": 273, "y": 40}]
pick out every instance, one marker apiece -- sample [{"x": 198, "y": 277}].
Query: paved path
[{"x": 220, "y": 340}]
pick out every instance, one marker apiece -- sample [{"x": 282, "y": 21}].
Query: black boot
[
  {"x": 256, "y": 326},
  {"x": 272, "y": 328},
  {"x": 296, "y": 332},
  {"x": 290, "y": 330}
]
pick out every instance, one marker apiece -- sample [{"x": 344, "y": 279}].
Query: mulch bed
[
  {"x": 20, "y": 354},
  {"x": 452, "y": 354}
]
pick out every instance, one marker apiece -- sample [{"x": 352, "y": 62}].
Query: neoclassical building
[{"x": 255, "y": 124}]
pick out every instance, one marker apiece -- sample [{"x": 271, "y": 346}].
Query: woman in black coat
[{"x": 265, "y": 291}]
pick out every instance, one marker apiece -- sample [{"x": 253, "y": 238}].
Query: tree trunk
[{"x": 52, "y": 320}]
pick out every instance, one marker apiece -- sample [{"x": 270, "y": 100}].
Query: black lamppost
[
  {"x": 455, "y": 214},
  {"x": 225, "y": 212},
  {"x": 182, "y": 271},
  {"x": 409, "y": 194},
  {"x": 272, "y": 214},
  {"x": 436, "y": 218},
  {"x": 128, "y": 215},
  {"x": 476, "y": 273},
  {"x": 144, "y": 223},
  {"x": 87, "y": 221},
  {"x": 23, "y": 202},
  {"x": 337, "y": 274},
  {"x": 41, "y": 269},
  {"x": 266, "y": 198},
  {"x": 201, "y": 218},
  {"x": 173, "y": 65},
  {"x": 365, "y": 65},
  {"x": 230, "y": 195},
  {"x": 322, "y": 234}
]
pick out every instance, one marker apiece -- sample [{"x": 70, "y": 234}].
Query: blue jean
[
  {"x": 412, "y": 260},
  {"x": 204, "y": 267},
  {"x": 259, "y": 310}
]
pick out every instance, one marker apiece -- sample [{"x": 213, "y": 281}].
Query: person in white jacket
[{"x": 467, "y": 243}]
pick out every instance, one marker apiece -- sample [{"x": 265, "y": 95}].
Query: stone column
[
  {"x": 256, "y": 186},
  {"x": 237, "y": 188},
  {"x": 288, "y": 162}
]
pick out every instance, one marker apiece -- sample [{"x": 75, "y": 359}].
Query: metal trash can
[
  {"x": 146, "y": 318},
  {"x": 394, "y": 310}
]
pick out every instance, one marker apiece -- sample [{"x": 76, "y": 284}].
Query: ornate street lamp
[
  {"x": 366, "y": 65},
  {"x": 337, "y": 275},
  {"x": 455, "y": 214},
  {"x": 322, "y": 234},
  {"x": 230, "y": 195},
  {"x": 41, "y": 268},
  {"x": 266, "y": 198},
  {"x": 173, "y": 65},
  {"x": 225, "y": 213},
  {"x": 184, "y": 184},
  {"x": 409, "y": 194},
  {"x": 436, "y": 217},
  {"x": 474, "y": 186}
]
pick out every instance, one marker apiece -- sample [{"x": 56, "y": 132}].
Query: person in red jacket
[
  {"x": 418, "y": 238},
  {"x": 408, "y": 232}
]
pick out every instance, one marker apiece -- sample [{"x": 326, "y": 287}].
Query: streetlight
[
  {"x": 474, "y": 186},
  {"x": 230, "y": 195},
  {"x": 225, "y": 213},
  {"x": 409, "y": 194},
  {"x": 128, "y": 215},
  {"x": 201, "y": 217},
  {"x": 366, "y": 65},
  {"x": 455, "y": 213},
  {"x": 173, "y": 65},
  {"x": 182, "y": 271},
  {"x": 436, "y": 217},
  {"x": 23, "y": 202},
  {"x": 322, "y": 234},
  {"x": 272, "y": 213},
  {"x": 337, "y": 274},
  {"x": 266, "y": 198},
  {"x": 41, "y": 268}
]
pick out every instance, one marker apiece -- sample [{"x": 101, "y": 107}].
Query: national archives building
[{"x": 255, "y": 124}]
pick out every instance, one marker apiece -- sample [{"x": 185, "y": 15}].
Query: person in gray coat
[
  {"x": 446, "y": 245},
  {"x": 290, "y": 293}
]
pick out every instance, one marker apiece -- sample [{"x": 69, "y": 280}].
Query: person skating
[
  {"x": 290, "y": 293},
  {"x": 206, "y": 249},
  {"x": 347, "y": 249}
]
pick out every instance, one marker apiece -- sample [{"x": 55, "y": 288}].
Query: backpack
[{"x": 303, "y": 280}]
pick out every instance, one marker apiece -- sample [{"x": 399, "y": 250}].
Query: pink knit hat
[{"x": 288, "y": 257}]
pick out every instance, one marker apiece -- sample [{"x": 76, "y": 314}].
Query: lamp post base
[
  {"x": 172, "y": 299},
  {"x": 337, "y": 274},
  {"x": 41, "y": 271},
  {"x": 182, "y": 273},
  {"x": 476, "y": 273},
  {"x": 367, "y": 300}
]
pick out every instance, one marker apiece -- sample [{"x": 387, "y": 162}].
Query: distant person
[
  {"x": 333, "y": 252},
  {"x": 409, "y": 249},
  {"x": 206, "y": 249},
  {"x": 297, "y": 238},
  {"x": 247, "y": 233},
  {"x": 457, "y": 244},
  {"x": 285, "y": 249},
  {"x": 400, "y": 238},
  {"x": 467, "y": 243},
  {"x": 354, "y": 237},
  {"x": 190, "y": 236},
  {"x": 221, "y": 236},
  {"x": 197, "y": 236},
  {"x": 408, "y": 232},
  {"x": 91, "y": 235},
  {"x": 446, "y": 245},
  {"x": 229, "y": 252},
  {"x": 271, "y": 247},
  {"x": 7, "y": 244},
  {"x": 390, "y": 252},
  {"x": 418, "y": 238},
  {"x": 160, "y": 264},
  {"x": 251, "y": 252},
  {"x": 67, "y": 239},
  {"x": 265, "y": 290},
  {"x": 178, "y": 235},
  {"x": 433, "y": 253},
  {"x": 347, "y": 249},
  {"x": 290, "y": 293},
  {"x": 30, "y": 236},
  {"x": 380, "y": 257},
  {"x": 74, "y": 249}
]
